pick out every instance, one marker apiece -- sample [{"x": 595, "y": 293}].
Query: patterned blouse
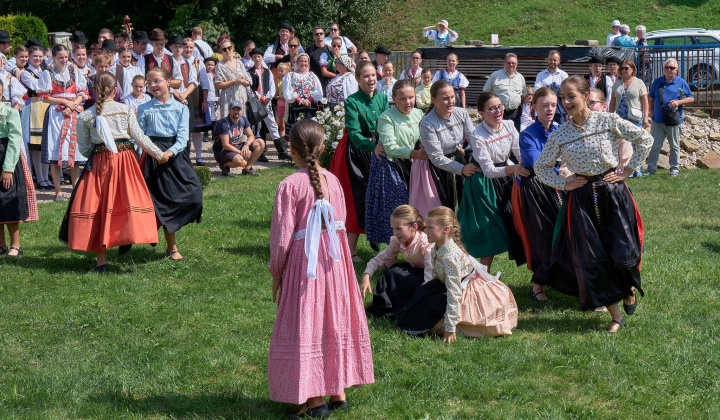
[
  {"x": 451, "y": 265},
  {"x": 418, "y": 254},
  {"x": 235, "y": 92},
  {"x": 591, "y": 148},
  {"x": 494, "y": 147},
  {"x": 299, "y": 86},
  {"x": 123, "y": 124},
  {"x": 440, "y": 137}
]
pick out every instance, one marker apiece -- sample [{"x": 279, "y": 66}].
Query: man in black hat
[
  {"x": 5, "y": 43},
  {"x": 381, "y": 55},
  {"x": 319, "y": 54},
  {"x": 597, "y": 79},
  {"x": 613, "y": 68},
  {"x": 280, "y": 48},
  {"x": 139, "y": 45},
  {"x": 262, "y": 86},
  {"x": 109, "y": 48}
]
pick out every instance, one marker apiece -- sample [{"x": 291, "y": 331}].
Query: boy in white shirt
[{"x": 124, "y": 71}]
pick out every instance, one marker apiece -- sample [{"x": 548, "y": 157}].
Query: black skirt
[
  {"x": 425, "y": 309},
  {"x": 191, "y": 113},
  {"x": 503, "y": 190},
  {"x": 449, "y": 186},
  {"x": 14, "y": 200},
  {"x": 395, "y": 289},
  {"x": 540, "y": 208},
  {"x": 296, "y": 112},
  {"x": 174, "y": 187},
  {"x": 598, "y": 239},
  {"x": 358, "y": 168}
]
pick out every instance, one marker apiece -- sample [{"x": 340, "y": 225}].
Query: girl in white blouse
[
  {"x": 398, "y": 284},
  {"x": 485, "y": 212},
  {"x": 477, "y": 303}
]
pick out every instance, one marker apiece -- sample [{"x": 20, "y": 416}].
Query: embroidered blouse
[
  {"x": 64, "y": 79},
  {"x": 342, "y": 86},
  {"x": 455, "y": 78},
  {"x": 451, "y": 265},
  {"x": 490, "y": 147},
  {"x": 440, "y": 137},
  {"x": 591, "y": 148},
  {"x": 166, "y": 120},
  {"x": 123, "y": 125},
  {"x": 399, "y": 132},
  {"x": 299, "y": 86},
  {"x": 418, "y": 254}
]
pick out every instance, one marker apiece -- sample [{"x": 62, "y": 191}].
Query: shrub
[
  {"x": 204, "y": 175},
  {"x": 22, "y": 27}
]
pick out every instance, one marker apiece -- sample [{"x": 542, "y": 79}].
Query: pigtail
[
  {"x": 105, "y": 82},
  {"x": 306, "y": 137},
  {"x": 310, "y": 159}
]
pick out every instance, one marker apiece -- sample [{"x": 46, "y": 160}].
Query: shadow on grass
[
  {"x": 57, "y": 259},
  {"x": 184, "y": 406},
  {"x": 253, "y": 223},
  {"x": 262, "y": 251},
  {"x": 700, "y": 226},
  {"x": 712, "y": 247}
]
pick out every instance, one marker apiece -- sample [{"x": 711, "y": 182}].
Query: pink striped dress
[{"x": 320, "y": 343}]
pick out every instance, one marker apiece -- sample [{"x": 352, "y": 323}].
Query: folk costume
[{"x": 17, "y": 203}]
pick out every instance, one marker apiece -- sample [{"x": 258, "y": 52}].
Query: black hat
[
  {"x": 78, "y": 37},
  {"x": 213, "y": 59},
  {"x": 157, "y": 35},
  {"x": 33, "y": 42},
  {"x": 613, "y": 59},
  {"x": 5, "y": 36},
  {"x": 109, "y": 44},
  {"x": 140, "y": 36},
  {"x": 175, "y": 40},
  {"x": 286, "y": 26},
  {"x": 381, "y": 49},
  {"x": 597, "y": 60},
  {"x": 256, "y": 51}
]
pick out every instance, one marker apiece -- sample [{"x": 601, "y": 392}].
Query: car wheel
[{"x": 703, "y": 77}]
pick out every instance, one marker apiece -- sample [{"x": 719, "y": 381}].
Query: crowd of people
[{"x": 541, "y": 178}]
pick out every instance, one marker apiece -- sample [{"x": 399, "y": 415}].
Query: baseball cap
[{"x": 236, "y": 104}]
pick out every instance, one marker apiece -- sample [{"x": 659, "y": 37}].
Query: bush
[
  {"x": 204, "y": 175},
  {"x": 22, "y": 27}
]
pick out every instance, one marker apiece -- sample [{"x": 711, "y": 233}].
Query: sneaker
[
  {"x": 284, "y": 156},
  {"x": 250, "y": 171},
  {"x": 224, "y": 170},
  {"x": 262, "y": 158},
  {"x": 649, "y": 172},
  {"x": 674, "y": 172}
]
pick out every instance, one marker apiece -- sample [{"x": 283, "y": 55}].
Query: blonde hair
[
  {"x": 105, "y": 84},
  {"x": 102, "y": 60},
  {"x": 285, "y": 66},
  {"x": 409, "y": 215},
  {"x": 443, "y": 216}
]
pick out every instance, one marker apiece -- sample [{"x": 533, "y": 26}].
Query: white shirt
[
  {"x": 346, "y": 43},
  {"x": 611, "y": 38},
  {"x": 451, "y": 76},
  {"x": 206, "y": 50},
  {"x": 494, "y": 147},
  {"x": 134, "y": 102},
  {"x": 192, "y": 75},
  {"x": 545, "y": 78},
  {"x": 207, "y": 82},
  {"x": 128, "y": 73}
]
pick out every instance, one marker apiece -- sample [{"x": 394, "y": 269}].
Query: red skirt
[
  {"x": 111, "y": 205},
  {"x": 339, "y": 168}
]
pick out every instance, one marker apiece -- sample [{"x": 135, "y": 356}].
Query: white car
[{"x": 697, "y": 51}]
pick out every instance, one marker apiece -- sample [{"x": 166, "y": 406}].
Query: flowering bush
[{"x": 332, "y": 119}]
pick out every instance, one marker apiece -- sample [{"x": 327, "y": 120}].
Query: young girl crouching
[
  {"x": 396, "y": 287},
  {"x": 463, "y": 296}
]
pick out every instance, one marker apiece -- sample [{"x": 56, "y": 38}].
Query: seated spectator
[
  {"x": 235, "y": 145},
  {"x": 442, "y": 36}
]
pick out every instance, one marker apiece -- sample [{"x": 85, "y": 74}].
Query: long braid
[
  {"x": 310, "y": 159},
  {"x": 104, "y": 84},
  {"x": 306, "y": 137},
  {"x": 444, "y": 216}
]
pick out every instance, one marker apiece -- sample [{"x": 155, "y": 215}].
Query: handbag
[
  {"x": 256, "y": 111},
  {"x": 671, "y": 117},
  {"x": 635, "y": 114}
]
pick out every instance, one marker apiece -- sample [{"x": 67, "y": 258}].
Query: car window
[
  {"x": 654, "y": 41},
  {"x": 706, "y": 40},
  {"x": 676, "y": 40}
]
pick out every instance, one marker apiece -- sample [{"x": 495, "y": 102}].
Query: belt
[{"x": 121, "y": 145}]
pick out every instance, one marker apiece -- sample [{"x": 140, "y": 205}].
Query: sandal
[
  {"x": 630, "y": 309},
  {"x": 534, "y": 296},
  {"x": 612, "y": 328},
  {"x": 3, "y": 250},
  {"x": 356, "y": 258},
  {"x": 170, "y": 254},
  {"x": 19, "y": 250}
]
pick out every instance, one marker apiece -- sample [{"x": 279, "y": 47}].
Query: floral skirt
[{"x": 387, "y": 188}]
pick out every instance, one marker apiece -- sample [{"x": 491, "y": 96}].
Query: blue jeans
[{"x": 660, "y": 131}]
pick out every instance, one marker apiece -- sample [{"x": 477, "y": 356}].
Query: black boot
[{"x": 281, "y": 147}]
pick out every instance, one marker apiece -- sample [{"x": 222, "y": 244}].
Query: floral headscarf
[{"x": 348, "y": 62}]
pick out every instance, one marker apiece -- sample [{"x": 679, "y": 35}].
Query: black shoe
[
  {"x": 534, "y": 296},
  {"x": 224, "y": 170},
  {"x": 630, "y": 309},
  {"x": 375, "y": 247},
  {"x": 124, "y": 249},
  {"x": 17, "y": 256},
  {"x": 100, "y": 269},
  {"x": 250, "y": 171},
  {"x": 263, "y": 158},
  {"x": 199, "y": 162},
  {"x": 284, "y": 156},
  {"x": 319, "y": 412},
  {"x": 339, "y": 405}
]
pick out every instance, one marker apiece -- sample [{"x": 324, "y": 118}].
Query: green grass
[
  {"x": 156, "y": 339},
  {"x": 537, "y": 22}
]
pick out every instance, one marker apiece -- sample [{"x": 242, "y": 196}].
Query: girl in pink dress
[{"x": 320, "y": 343}]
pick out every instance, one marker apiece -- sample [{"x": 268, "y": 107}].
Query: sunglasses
[
  {"x": 226, "y": 49},
  {"x": 334, "y": 29},
  {"x": 319, "y": 33},
  {"x": 293, "y": 45},
  {"x": 670, "y": 68},
  {"x": 625, "y": 68}
]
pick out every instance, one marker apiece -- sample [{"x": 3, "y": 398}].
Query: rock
[
  {"x": 683, "y": 155},
  {"x": 663, "y": 162},
  {"x": 689, "y": 145},
  {"x": 472, "y": 112},
  {"x": 590, "y": 42},
  {"x": 690, "y": 120},
  {"x": 711, "y": 160},
  {"x": 665, "y": 150},
  {"x": 715, "y": 136},
  {"x": 701, "y": 115},
  {"x": 475, "y": 42},
  {"x": 699, "y": 135},
  {"x": 715, "y": 148}
]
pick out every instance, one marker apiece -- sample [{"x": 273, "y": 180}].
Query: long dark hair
[{"x": 306, "y": 137}]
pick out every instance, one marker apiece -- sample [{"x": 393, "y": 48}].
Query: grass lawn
[
  {"x": 157, "y": 339},
  {"x": 536, "y": 22}
]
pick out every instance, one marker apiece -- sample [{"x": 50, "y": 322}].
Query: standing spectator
[
  {"x": 122, "y": 40},
  {"x": 385, "y": 85},
  {"x": 613, "y": 69},
  {"x": 668, "y": 94},
  {"x": 5, "y": 43},
  {"x": 509, "y": 86},
  {"x": 263, "y": 87},
  {"x": 302, "y": 90},
  {"x": 202, "y": 49},
  {"x": 442, "y": 35},
  {"x": 231, "y": 78},
  {"x": 347, "y": 46},
  {"x": 552, "y": 77},
  {"x": 382, "y": 53},
  {"x": 624, "y": 40},
  {"x": 140, "y": 42},
  {"x": 335, "y": 53},
  {"x": 319, "y": 54},
  {"x": 629, "y": 96},
  {"x": 279, "y": 48},
  {"x": 291, "y": 57},
  {"x": 643, "y": 58},
  {"x": 413, "y": 73},
  {"x": 597, "y": 79},
  {"x": 615, "y": 33},
  {"x": 451, "y": 75},
  {"x": 363, "y": 56},
  {"x": 422, "y": 92}
]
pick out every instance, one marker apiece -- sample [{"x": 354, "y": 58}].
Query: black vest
[{"x": 256, "y": 80}]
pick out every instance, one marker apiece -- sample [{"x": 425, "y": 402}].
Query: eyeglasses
[
  {"x": 293, "y": 45},
  {"x": 592, "y": 103},
  {"x": 155, "y": 82},
  {"x": 334, "y": 30},
  {"x": 670, "y": 68},
  {"x": 495, "y": 109},
  {"x": 510, "y": 63},
  {"x": 319, "y": 33},
  {"x": 226, "y": 49}
]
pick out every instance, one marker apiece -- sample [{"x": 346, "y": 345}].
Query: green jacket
[
  {"x": 361, "y": 117},
  {"x": 10, "y": 128}
]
